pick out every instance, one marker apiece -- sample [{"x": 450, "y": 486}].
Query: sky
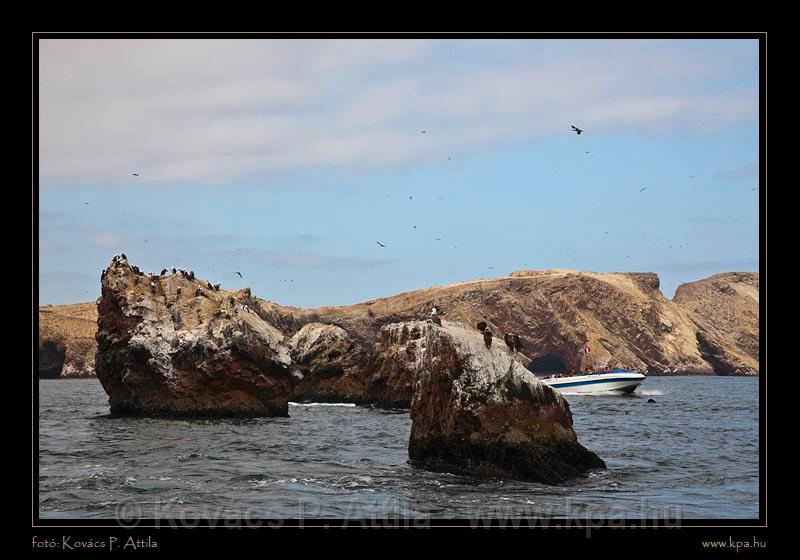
[{"x": 289, "y": 160}]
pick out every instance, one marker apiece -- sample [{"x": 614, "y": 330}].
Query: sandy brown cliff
[
  {"x": 66, "y": 340},
  {"x": 725, "y": 309},
  {"x": 622, "y": 318}
]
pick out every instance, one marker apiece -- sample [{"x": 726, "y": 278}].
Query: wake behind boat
[{"x": 622, "y": 380}]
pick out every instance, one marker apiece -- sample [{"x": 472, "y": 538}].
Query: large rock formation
[
  {"x": 334, "y": 365},
  {"x": 478, "y": 410},
  {"x": 198, "y": 353},
  {"x": 66, "y": 340},
  {"x": 725, "y": 309}
]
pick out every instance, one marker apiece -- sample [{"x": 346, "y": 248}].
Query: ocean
[{"x": 693, "y": 454}]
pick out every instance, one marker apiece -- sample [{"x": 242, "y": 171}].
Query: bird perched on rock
[
  {"x": 216, "y": 287},
  {"x": 481, "y": 326},
  {"x": 509, "y": 340},
  {"x": 178, "y": 292},
  {"x": 152, "y": 286},
  {"x": 517, "y": 343},
  {"x": 163, "y": 272},
  {"x": 123, "y": 256},
  {"x": 173, "y": 270},
  {"x": 576, "y": 130},
  {"x": 487, "y": 337},
  {"x": 103, "y": 274},
  {"x": 209, "y": 286},
  {"x": 198, "y": 292},
  {"x": 191, "y": 275}
]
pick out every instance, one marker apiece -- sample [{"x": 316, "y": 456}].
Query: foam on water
[
  {"x": 648, "y": 392},
  {"x": 322, "y": 404}
]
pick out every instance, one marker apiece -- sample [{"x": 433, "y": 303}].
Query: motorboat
[{"x": 623, "y": 380}]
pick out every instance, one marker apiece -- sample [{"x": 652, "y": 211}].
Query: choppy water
[{"x": 693, "y": 454}]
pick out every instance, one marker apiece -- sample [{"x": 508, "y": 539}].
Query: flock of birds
[{"x": 578, "y": 131}]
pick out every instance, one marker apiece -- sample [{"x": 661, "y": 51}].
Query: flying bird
[
  {"x": 86, "y": 203},
  {"x": 753, "y": 189},
  {"x": 576, "y": 130},
  {"x": 135, "y": 174},
  {"x": 642, "y": 189},
  {"x": 381, "y": 244},
  {"x": 239, "y": 273},
  {"x": 422, "y": 132},
  {"x": 691, "y": 177}
]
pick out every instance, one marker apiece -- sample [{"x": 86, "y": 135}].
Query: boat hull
[{"x": 625, "y": 382}]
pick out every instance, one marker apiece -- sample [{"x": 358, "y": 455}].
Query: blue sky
[{"x": 288, "y": 160}]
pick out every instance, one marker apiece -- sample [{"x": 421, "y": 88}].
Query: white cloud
[{"x": 216, "y": 111}]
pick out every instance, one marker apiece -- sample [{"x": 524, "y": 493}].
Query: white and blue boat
[{"x": 622, "y": 380}]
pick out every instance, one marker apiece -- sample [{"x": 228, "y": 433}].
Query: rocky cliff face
[
  {"x": 168, "y": 345},
  {"x": 621, "y": 317},
  {"x": 725, "y": 310},
  {"x": 478, "y": 410},
  {"x": 66, "y": 340},
  {"x": 335, "y": 366}
]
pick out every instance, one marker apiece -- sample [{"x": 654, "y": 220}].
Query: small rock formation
[
  {"x": 191, "y": 356},
  {"x": 725, "y": 309},
  {"x": 479, "y": 411},
  {"x": 66, "y": 340},
  {"x": 333, "y": 363}
]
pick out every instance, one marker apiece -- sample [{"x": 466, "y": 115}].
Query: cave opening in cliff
[
  {"x": 51, "y": 360},
  {"x": 549, "y": 363}
]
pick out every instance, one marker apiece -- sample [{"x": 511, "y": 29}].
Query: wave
[{"x": 322, "y": 404}]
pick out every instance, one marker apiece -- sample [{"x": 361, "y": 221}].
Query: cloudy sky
[{"x": 288, "y": 160}]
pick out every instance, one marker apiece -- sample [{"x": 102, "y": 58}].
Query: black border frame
[{"x": 206, "y": 540}]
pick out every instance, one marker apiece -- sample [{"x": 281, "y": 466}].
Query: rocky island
[
  {"x": 476, "y": 409},
  {"x": 171, "y": 345}
]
